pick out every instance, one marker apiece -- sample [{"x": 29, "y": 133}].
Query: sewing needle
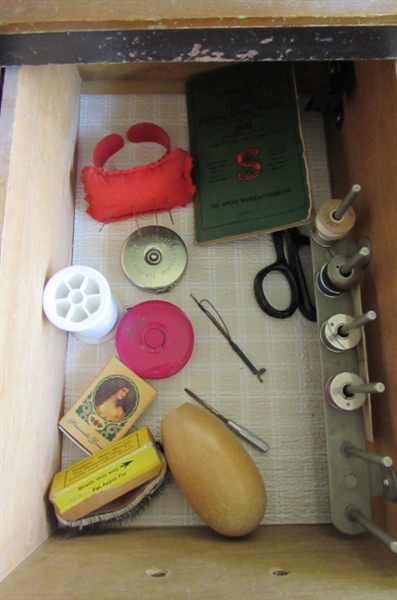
[{"x": 239, "y": 429}]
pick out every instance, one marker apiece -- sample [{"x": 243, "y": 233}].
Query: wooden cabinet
[{"x": 39, "y": 116}]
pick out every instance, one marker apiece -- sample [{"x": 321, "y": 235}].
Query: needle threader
[{"x": 221, "y": 326}]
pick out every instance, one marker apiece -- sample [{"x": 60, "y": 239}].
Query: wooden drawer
[{"x": 40, "y": 117}]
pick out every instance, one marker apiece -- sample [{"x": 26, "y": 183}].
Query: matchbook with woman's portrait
[{"x": 108, "y": 408}]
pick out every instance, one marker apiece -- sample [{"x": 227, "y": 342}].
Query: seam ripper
[{"x": 239, "y": 429}]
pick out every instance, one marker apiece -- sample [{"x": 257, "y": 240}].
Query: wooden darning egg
[{"x": 213, "y": 470}]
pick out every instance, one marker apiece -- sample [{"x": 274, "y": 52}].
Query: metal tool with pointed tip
[{"x": 239, "y": 429}]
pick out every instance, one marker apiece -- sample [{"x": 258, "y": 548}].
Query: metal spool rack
[{"x": 355, "y": 474}]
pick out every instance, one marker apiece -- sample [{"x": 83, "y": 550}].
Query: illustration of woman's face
[{"x": 122, "y": 393}]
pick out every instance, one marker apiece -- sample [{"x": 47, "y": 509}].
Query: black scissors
[{"x": 292, "y": 271}]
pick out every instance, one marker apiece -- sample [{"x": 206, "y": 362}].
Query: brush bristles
[{"x": 129, "y": 512}]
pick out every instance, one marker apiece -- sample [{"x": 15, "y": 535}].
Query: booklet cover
[{"x": 249, "y": 162}]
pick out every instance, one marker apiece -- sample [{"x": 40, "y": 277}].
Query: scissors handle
[
  {"x": 280, "y": 266},
  {"x": 294, "y": 241}
]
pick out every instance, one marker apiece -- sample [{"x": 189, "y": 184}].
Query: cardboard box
[
  {"x": 108, "y": 408},
  {"x": 105, "y": 476}
]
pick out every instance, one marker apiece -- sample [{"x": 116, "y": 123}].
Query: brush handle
[
  {"x": 248, "y": 435},
  {"x": 204, "y": 403},
  {"x": 239, "y": 429}
]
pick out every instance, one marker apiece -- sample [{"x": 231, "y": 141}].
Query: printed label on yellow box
[
  {"x": 106, "y": 475},
  {"x": 108, "y": 408}
]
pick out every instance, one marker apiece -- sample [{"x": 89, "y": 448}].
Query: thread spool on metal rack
[
  {"x": 348, "y": 391},
  {"x": 343, "y": 271},
  {"x": 335, "y": 219},
  {"x": 341, "y": 332}
]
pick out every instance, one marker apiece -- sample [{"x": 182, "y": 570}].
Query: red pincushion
[{"x": 121, "y": 194}]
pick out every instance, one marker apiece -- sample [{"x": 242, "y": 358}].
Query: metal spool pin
[
  {"x": 378, "y": 459},
  {"x": 358, "y": 260},
  {"x": 354, "y": 514},
  {"x": 363, "y": 388},
  {"x": 346, "y": 202},
  {"x": 367, "y": 317}
]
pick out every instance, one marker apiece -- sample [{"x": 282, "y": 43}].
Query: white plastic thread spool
[{"x": 78, "y": 299}]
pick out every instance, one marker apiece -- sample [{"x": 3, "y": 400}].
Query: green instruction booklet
[{"x": 249, "y": 162}]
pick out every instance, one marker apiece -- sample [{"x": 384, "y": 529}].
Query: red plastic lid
[{"x": 155, "y": 339}]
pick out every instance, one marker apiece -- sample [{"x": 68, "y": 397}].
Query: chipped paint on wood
[{"x": 200, "y": 45}]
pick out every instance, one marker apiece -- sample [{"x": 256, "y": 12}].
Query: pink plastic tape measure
[{"x": 155, "y": 339}]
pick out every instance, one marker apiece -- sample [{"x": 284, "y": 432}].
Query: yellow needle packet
[{"x": 106, "y": 475}]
